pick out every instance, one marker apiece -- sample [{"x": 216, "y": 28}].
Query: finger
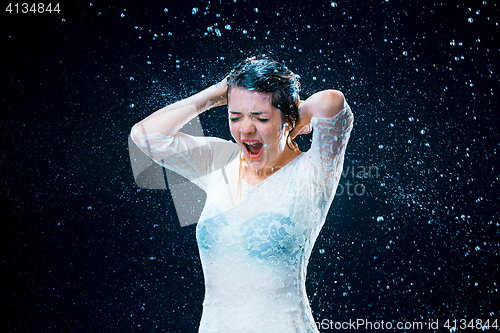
[{"x": 305, "y": 130}]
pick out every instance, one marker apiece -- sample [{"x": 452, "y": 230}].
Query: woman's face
[{"x": 257, "y": 127}]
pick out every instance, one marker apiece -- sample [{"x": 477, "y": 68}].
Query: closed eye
[{"x": 262, "y": 120}]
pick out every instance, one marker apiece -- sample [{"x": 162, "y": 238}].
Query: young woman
[{"x": 266, "y": 200}]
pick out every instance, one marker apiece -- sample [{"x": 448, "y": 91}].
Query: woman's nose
[{"x": 247, "y": 126}]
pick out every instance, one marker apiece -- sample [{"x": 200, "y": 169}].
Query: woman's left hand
[{"x": 303, "y": 124}]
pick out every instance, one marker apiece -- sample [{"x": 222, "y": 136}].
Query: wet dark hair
[{"x": 269, "y": 76}]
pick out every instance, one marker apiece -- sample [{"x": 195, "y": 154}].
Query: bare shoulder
[{"x": 325, "y": 104}]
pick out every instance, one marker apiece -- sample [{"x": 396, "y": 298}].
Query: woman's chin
[
  {"x": 255, "y": 163},
  {"x": 256, "y": 166}
]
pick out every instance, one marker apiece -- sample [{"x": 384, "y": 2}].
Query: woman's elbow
[
  {"x": 330, "y": 102},
  {"x": 335, "y": 100}
]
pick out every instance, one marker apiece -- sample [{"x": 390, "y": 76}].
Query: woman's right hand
[{"x": 221, "y": 93}]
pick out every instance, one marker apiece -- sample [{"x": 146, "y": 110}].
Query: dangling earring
[{"x": 289, "y": 141}]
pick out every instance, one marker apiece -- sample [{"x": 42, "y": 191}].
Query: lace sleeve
[
  {"x": 330, "y": 137},
  {"x": 189, "y": 156}
]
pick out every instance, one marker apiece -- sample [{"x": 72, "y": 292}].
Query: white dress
[{"x": 255, "y": 243}]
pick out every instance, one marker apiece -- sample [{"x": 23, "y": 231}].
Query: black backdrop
[{"x": 85, "y": 250}]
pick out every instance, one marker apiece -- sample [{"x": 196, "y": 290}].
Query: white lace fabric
[{"x": 255, "y": 243}]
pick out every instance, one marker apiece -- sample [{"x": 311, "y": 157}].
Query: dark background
[{"x": 83, "y": 249}]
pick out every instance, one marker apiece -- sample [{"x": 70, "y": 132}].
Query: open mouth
[{"x": 253, "y": 148}]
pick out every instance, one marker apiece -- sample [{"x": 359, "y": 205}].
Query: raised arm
[
  {"x": 192, "y": 157},
  {"x": 331, "y": 120},
  {"x": 323, "y": 104},
  {"x": 170, "y": 119}
]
